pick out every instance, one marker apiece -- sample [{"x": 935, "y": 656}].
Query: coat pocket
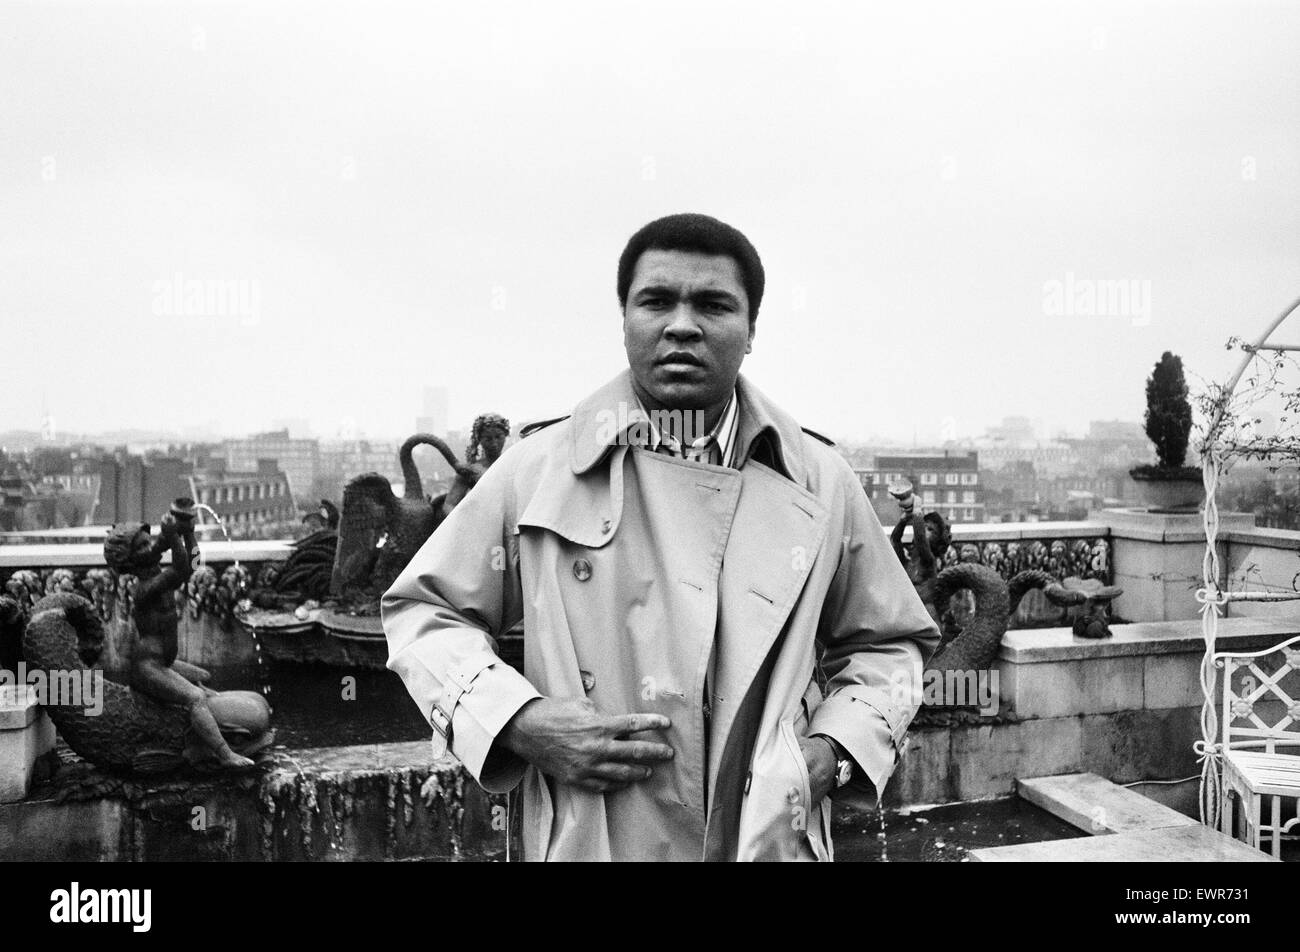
[
  {"x": 809, "y": 817},
  {"x": 819, "y": 826},
  {"x": 539, "y": 816}
]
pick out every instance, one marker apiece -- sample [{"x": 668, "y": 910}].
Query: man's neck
[{"x": 677, "y": 416}]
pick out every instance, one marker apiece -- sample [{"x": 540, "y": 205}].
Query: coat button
[
  {"x": 605, "y": 526},
  {"x": 582, "y": 570},
  {"x": 793, "y": 795}
]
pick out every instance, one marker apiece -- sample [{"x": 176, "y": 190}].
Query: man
[{"x": 683, "y": 558}]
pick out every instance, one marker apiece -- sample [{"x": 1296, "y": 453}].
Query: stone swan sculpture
[{"x": 380, "y": 531}]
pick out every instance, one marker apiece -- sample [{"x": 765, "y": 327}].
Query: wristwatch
[
  {"x": 843, "y": 763},
  {"x": 843, "y": 772}
]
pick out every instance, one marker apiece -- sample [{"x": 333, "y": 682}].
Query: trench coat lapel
[{"x": 776, "y": 533}]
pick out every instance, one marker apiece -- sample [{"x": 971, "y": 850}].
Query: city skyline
[
  {"x": 244, "y": 214},
  {"x": 1043, "y": 432}
]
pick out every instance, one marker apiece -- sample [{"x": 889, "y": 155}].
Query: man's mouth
[{"x": 679, "y": 360}]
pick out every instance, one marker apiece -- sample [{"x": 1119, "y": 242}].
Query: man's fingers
[
  {"x": 619, "y": 773},
  {"x": 635, "y": 723},
  {"x": 639, "y": 751},
  {"x": 596, "y": 785}
]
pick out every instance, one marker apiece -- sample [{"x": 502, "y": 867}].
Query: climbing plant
[
  {"x": 1254, "y": 415},
  {"x": 1258, "y": 418}
]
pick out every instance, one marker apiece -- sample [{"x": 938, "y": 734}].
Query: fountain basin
[
  {"x": 394, "y": 802},
  {"x": 365, "y": 802}
]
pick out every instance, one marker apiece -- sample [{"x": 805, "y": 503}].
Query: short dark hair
[{"x": 702, "y": 234}]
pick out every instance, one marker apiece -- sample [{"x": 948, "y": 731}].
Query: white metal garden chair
[{"x": 1261, "y": 713}]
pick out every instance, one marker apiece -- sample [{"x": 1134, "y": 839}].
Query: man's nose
[{"x": 682, "y": 324}]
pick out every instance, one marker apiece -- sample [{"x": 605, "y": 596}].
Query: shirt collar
[
  {"x": 723, "y": 432},
  {"x": 762, "y": 428}
]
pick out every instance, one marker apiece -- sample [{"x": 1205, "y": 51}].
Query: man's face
[{"x": 686, "y": 328}]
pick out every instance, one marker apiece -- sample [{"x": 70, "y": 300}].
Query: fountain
[{"x": 323, "y": 604}]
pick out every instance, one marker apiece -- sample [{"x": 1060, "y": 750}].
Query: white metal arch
[{"x": 1211, "y": 596}]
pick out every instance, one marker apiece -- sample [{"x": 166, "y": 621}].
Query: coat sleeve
[
  {"x": 441, "y": 616},
  {"x": 877, "y": 636}
]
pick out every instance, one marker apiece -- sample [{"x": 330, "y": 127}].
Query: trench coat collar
[{"x": 601, "y": 420}]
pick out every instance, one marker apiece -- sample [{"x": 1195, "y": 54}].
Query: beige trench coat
[{"x": 623, "y": 565}]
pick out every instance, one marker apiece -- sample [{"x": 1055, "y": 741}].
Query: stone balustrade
[{"x": 1156, "y": 559}]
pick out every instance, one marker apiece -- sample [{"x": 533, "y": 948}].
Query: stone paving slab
[
  {"x": 1097, "y": 806},
  {"x": 1175, "y": 844}
]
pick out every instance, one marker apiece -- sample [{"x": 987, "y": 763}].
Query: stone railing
[
  {"x": 28, "y": 572},
  {"x": 1155, "y": 559},
  {"x": 1061, "y": 549},
  {"x": 207, "y": 634},
  {"x": 1262, "y": 560}
]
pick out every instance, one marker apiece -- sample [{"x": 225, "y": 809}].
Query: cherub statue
[
  {"x": 931, "y": 537},
  {"x": 487, "y": 439},
  {"x": 130, "y": 548}
]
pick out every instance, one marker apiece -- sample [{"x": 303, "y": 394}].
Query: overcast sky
[{"x": 436, "y": 194}]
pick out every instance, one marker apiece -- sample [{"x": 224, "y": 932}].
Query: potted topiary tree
[{"x": 1168, "y": 486}]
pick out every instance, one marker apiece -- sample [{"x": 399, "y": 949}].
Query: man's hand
[
  {"x": 167, "y": 527},
  {"x": 574, "y": 743},
  {"x": 821, "y": 758}
]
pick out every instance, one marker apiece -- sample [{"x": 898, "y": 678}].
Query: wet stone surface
[
  {"x": 320, "y": 706},
  {"x": 943, "y": 834}
]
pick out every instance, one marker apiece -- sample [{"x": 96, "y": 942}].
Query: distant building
[
  {"x": 343, "y": 460},
  {"x": 1016, "y": 493},
  {"x": 1111, "y": 444},
  {"x": 1116, "y": 430},
  {"x": 133, "y": 489},
  {"x": 13, "y": 503},
  {"x": 1013, "y": 431},
  {"x": 1046, "y": 457},
  {"x": 298, "y": 428},
  {"x": 434, "y": 417},
  {"x": 76, "y": 493},
  {"x": 246, "y": 499},
  {"x": 948, "y": 484},
  {"x": 298, "y": 459}
]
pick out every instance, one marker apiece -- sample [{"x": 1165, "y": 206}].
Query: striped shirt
[{"x": 718, "y": 446}]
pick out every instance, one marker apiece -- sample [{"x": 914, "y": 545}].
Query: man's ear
[{"x": 749, "y": 344}]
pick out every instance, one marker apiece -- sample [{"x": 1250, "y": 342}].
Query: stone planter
[{"x": 1168, "y": 494}]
